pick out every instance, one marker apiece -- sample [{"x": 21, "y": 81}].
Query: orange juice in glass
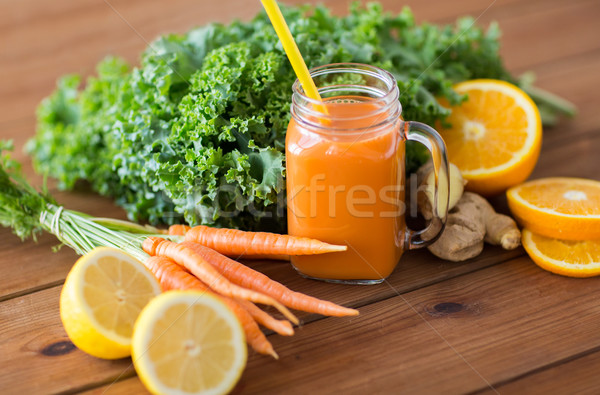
[{"x": 345, "y": 174}]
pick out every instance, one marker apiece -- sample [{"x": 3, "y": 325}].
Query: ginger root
[
  {"x": 426, "y": 179},
  {"x": 471, "y": 218},
  {"x": 471, "y": 222}
]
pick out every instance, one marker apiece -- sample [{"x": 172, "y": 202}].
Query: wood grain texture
[
  {"x": 43, "y": 360},
  {"x": 575, "y": 375},
  {"x": 462, "y": 335},
  {"x": 571, "y": 158},
  {"x": 79, "y": 34},
  {"x": 419, "y": 271},
  {"x": 515, "y": 318},
  {"x": 572, "y": 78},
  {"x": 485, "y": 326},
  {"x": 539, "y": 32},
  {"x": 129, "y": 386}
]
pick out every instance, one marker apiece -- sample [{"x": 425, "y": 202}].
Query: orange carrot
[
  {"x": 178, "y": 230},
  {"x": 172, "y": 276},
  {"x": 246, "y": 277},
  {"x": 179, "y": 278},
  {"x": 237, "y": 243},
  {"x": 280, "y": 327},
  {"x": 273, "y": 257},
  {"x": 208, "y": 274},
  {"x": 181, "y": 230}
]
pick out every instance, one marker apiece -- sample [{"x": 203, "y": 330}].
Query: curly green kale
[
  {"x": 197, "y": 131},
  {"x": 20, "y": 204}
]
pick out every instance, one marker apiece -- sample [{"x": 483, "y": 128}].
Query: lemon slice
[
  {"x": 566, "y": 257},
  {"x": 188, "y": 342},
  {"x": 102, "y": 297},
  {"x": 495, "y": 137}
]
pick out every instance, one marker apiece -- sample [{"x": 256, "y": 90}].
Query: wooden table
[{"x": 495, "y": 324}]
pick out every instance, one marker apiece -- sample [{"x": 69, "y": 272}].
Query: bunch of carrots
[
  {"x": 202, "y": 262},
  {"x": 199, "y": 262}
]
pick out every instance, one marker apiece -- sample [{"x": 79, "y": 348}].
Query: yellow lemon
[
  {"x": 495, "y": 137},
  {"x": 102, "y": 297},
  {"x": 188, "y": 342}
]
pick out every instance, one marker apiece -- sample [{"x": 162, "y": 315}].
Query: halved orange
[
  {"x": 560, "y": 207},
  {"x": 495, "y": 137},
  {"x": 566, "y": 257}
]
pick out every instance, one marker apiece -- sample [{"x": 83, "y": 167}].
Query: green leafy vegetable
[
  {"x": 28, "y": 212},
  {"x": 198, "y": 129}
]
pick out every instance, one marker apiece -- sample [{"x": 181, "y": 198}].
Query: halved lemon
[
  {"x": 495, "y": 137},
  {"x": 103, "y": 295},
  {"x": 188, "y": 342},
  {"x": 560, "y": 207},
  {"x": 566, "y": 257}
]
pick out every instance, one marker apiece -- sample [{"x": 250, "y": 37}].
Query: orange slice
[
  {"x": 563, "y": 208},
  {"x": 566, "y": 257},
  {"x": 495, "y": 137}
]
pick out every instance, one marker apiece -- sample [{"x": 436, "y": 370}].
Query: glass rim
[
  {"x": 374, "y": 71},
  {"x": 389, "y": 96}
]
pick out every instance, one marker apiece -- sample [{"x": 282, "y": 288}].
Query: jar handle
[{"x": 429, "y": 137}]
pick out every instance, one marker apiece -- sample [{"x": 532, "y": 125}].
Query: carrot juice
[
  {"x": 345, "y": 174},
  {"x": 347, "y": 194}
]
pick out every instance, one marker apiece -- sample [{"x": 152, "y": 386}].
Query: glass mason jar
[{"x": 346, "y": 174}]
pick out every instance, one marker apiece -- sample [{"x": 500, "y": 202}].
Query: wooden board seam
[
  {"x": 90, "y": 386},
  {"x": 28, "y": 291},
  {"x": 537, "y": 370},
  {"x": 566, "y": 140}
]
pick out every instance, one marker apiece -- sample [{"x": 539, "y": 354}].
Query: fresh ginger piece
[
  {"x": 426, "y": 179},
  {"x": 463, "y": 235},
  {"x": 471, "y": 218},
  {"x": 471, "y": 222}
]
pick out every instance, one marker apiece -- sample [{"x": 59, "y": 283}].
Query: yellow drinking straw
[{"x": 292, "y": 51}]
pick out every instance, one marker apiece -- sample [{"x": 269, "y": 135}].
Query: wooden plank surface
[
  {"x": 415, "y": 273},
  {"x": 497, "y": 320},
  {"x": 481, "y": 327},
  {"x": 43, "y": 360},
  {"x": 572, "y": 78},
  {"x": 101, "y": 31},
  {"x": 574, "y": 373},
  {"x": 462, "y": 335}
]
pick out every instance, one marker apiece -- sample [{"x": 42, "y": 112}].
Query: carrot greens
[{"x": 29, "y": 212}]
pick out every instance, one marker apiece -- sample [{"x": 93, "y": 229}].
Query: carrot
[
  {"x": 179, "y": 278},
  {"x": 178, "y": 230},
  {"x": 172, "y": 276},
  {"x": 273, "y": 257},
  {"x": 181, "y": 230},
  {"x": 237, "y": 243},
  {"x": 182, "y": 279},
  {"x": 208, "y": 274},
  {"x": 246, "y": 277},
  {"x": 281, "y": 327}
]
